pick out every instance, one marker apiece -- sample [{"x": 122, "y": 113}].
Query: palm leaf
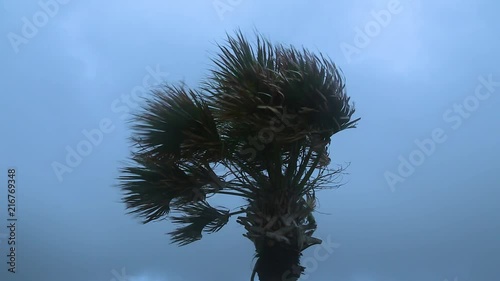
[
  {"x": 199, "y": 217},
  {"x": 151, "y": 188},
  {"x": 177, "y": 124}
]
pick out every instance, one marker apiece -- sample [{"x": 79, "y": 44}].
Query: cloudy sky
[{"x": 421, "y": 198}]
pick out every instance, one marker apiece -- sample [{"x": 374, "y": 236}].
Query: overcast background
[{"x": 408, "y": 78}]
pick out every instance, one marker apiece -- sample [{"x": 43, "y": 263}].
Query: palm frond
[
  {"x": 151, "y": 188},
  {"x": 177, "y": 124},
  {"x": 199, "y": 217},
  {"x": 253, "y": 88}
]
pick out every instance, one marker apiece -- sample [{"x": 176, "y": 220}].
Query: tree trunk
[{"x": 278, "y": 262}]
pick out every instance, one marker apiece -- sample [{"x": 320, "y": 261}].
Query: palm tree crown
[{"x": 258, "y": 128}]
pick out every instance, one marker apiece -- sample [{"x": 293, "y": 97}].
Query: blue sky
[{"x": 421, "y": 198}]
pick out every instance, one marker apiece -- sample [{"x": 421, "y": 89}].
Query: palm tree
[{"x": 258, "y": 128}]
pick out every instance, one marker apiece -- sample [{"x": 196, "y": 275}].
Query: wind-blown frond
[
  {"x": 273, "y": 98},
  {"x": 152, "y": 188},
  {"x": 199, "y": 217},
  {"x": 177, "y": 124},
  {"x": 253, "y": 88}
]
